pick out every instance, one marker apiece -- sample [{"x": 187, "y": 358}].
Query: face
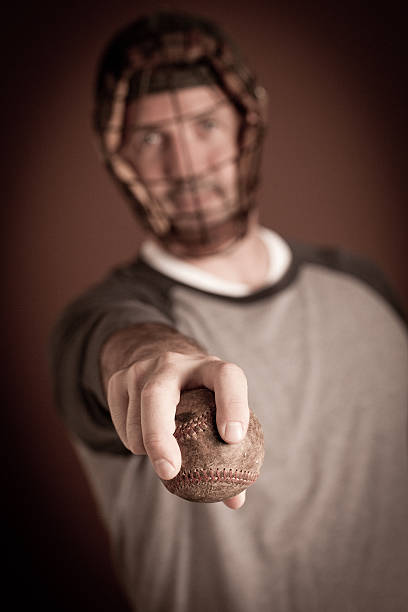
[{"x": 183, "y": 145}]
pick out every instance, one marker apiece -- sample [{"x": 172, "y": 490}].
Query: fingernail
[
  {"x": 164, "y": 469},
  {"x": 233, "y": 431}
]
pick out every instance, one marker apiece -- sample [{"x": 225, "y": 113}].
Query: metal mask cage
[{"x": 172, "y": 54}]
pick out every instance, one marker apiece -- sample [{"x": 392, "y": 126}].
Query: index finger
[
  {"x": 230, "y": 386},
  {"x": 159, "y": 400}
]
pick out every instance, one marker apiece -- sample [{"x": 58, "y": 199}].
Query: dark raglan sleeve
[{"x": 124, "y": 298}]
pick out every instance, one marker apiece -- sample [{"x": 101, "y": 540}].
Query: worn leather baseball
[{"x": 211, "y": 469}]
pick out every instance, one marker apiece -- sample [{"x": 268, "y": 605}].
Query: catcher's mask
[{"x": 193, "y": 212}]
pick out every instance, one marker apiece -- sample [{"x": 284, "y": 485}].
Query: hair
[{"x": 153, "y": 36}]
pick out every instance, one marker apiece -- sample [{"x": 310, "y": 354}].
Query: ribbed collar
[{"x": 280, "y": 257}]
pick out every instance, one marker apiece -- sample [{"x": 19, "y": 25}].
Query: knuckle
[
  {"x": 136, "y": 446},
  {"x": 133, "y": 370},
  {"x": 135, "y": 373},
  {"x": 236, "y": 406},
  {"x": 152, "y": 388},
  {"x": 227, "y": 369},
  {"x": 123, "y": 380},
  {"x": 153, "y": 442},
  {"x": 115, "y": 381},
  {"x": 212, "y": 358},
  {"x": 160, "y": 383},
  {"x": 168, "y": 358}
]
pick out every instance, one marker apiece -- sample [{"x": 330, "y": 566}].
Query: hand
[{"x": 143, "y": 397}]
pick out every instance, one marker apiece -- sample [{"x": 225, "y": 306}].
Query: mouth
[{"x": 192, "y": 197}]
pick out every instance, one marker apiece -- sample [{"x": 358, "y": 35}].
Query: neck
[{"x": 247, "y": 261}]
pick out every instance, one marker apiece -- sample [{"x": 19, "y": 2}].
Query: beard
[
  {"x": 200, "y": 201},
  {"x": 196, "y": 211}
]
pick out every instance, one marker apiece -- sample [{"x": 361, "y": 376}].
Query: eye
[
  {"x": 207, "y": 124},
  {"x": 152, "y": 138}
]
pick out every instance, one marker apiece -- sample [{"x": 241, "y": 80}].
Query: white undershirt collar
[{"x": 279, "y": 261}]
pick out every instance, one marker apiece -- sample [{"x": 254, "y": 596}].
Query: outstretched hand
[{"x": 143, "y": 397}]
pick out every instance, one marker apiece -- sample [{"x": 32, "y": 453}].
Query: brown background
[{"x": 334, "y": 172}]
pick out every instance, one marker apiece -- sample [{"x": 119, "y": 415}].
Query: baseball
[{"x": 211, "y": 469}]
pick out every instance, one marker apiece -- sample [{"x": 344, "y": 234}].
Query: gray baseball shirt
[{"x": 324, "y": 348}]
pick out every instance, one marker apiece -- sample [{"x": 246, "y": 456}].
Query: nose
[{"x": 185, "y": 155}]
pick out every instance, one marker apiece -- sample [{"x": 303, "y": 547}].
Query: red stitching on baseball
[
  {"x": 196, "y": 476},
  {"x": 191, "y": 428}
]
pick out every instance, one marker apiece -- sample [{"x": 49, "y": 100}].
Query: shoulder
[
  {"x": 346, "y": 262},
  {"x": 128, "y": 290},
  {"x": 129, "y": 281}
]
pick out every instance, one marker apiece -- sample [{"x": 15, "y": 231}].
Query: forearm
[{"x": 140, "y": 342}]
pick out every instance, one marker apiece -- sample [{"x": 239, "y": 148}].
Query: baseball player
[{"x": 312, "y": 339}]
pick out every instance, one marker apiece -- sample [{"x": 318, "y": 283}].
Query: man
[{"x": 313, "y": 337}]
